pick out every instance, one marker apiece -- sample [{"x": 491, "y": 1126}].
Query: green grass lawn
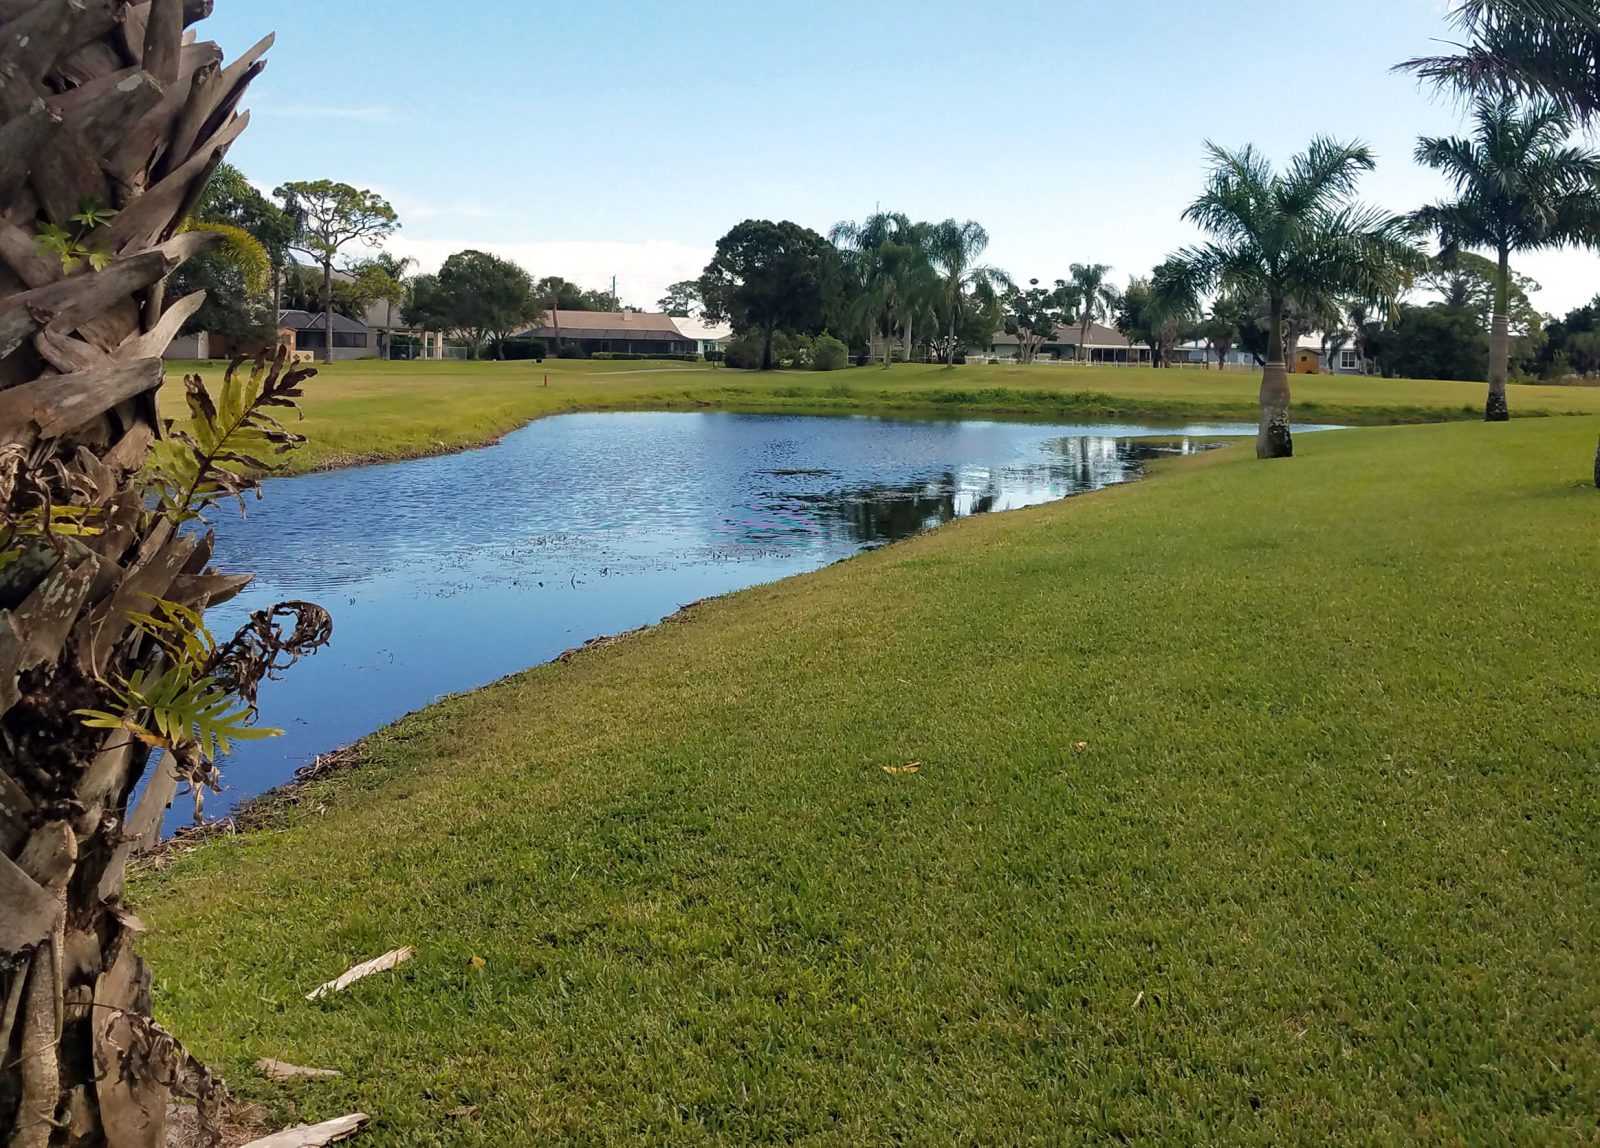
[
  {"x": 1326, "y": 869},
  {"x": 370, "y": 411}
]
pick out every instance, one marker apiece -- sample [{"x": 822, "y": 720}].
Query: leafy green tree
[
  {"x": 328, "y": 217},
  {"x": 1097, "y": 299},
  {"x": 237, "y": 277},
  {"x": 478, "y": 296},
  {"x": 1034, "y": 313},
  {"x": 1519, "y": 187},
  {"x": 555, "y": 292},
  {"x": 681, "y": 300},
  {"x": 1433, "y": 342},
  {"x": 768, "y": 276},
  {"x": 1291, "y": 235},
  {"x": 384, "y": 278},
  {"x": 1135, "y": 317},
  {"x": 1562, "y": 353},
  {"x": 599, "y": 300}
]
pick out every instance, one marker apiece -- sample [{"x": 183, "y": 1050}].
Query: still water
[{"x": 446, "y": 573}]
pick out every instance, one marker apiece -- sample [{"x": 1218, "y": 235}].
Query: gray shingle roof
[{"x": 306, "y": 321}]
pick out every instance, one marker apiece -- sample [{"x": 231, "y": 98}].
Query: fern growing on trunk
[{"x": 112, "y": 118}]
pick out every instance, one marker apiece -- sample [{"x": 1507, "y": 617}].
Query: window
[{"x": 1347, "y": 360}]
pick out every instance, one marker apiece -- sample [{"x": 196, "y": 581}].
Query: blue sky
[{"x": 615, "y": 137}]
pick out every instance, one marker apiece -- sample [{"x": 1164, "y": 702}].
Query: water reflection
[{"x": 446, "y": 573}]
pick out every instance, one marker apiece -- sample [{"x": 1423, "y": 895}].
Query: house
[
  {"x": 351, "y": 339},
  {"x": 1103, "y": 345},
  {"x": 1310, "y": 358},
  {"x": 1197, "y": 352},
  {"x": 707, "y": 337},
  {"x": 614, "y": 332}
]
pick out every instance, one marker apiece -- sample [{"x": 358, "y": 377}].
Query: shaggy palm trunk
[
  {"x": 1083, "y": 337},
  {"x": 109, "y": 101},
  {"x": 327, "y": 311},
  {"x": 1273, "y": 440},
  {"x": 1496, "y": 410}
]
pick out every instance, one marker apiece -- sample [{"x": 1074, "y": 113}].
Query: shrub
[
  {"x": 829, "y": 354},
  {"x": 521, "y": 349},
  {"x": 744, "y": 352},
  {"x": 572, "y": 351}
]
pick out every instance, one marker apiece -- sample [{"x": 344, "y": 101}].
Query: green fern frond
[{"x": 240, "y": 250}]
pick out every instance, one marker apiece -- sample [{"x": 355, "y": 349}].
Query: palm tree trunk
[
  {"x": 1273, "y": 439},
  {"x": 327, "y": 311},
  {"x": 1083, "y": 337},
  {"x": 766, "y": 348},
  {"x": 950, "y": 344},
  {"x": 1496, "y": 410},
  {"x": 141, "y": 122}
]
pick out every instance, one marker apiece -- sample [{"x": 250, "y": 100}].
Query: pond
[{"x": 446, "y": 573}]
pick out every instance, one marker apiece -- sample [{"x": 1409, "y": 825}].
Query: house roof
[
  {"x": 305, "y": 320},
  {"x": 693, "y": 328},
  {"x": 1099, "y": 336},
  {"x": 607, "y": 325}
]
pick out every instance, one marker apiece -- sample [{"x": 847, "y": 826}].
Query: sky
[{"x": 623, "y": 137}]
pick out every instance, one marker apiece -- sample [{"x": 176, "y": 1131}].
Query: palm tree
[
  {"x": 1097, "y": 299},
  {"x": 954, "y": 250},
  {"x": 1545, "y": 49},
  {"x": 1519, "y": 186},
  {"x": 104, "y": 177},
  {"x": 1288, "y": 236},
  {"x": 884, "y": 257}
]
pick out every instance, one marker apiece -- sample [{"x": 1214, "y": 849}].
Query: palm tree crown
[
  {"x": 894, "y": 282},
  {"x": 1519, "y": 186},
  {"x": 954, "y": 250},
  {"x": 1528, "y": 48},
  {"x": 1096, "y": 299},
  {"x": 1286, "y": 237}
]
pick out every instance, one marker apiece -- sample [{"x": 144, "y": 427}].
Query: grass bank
[
  {"x": 1257, "y": 804},
  {"x": 375, "y": 411}
]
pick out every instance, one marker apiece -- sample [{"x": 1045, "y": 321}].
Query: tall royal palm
[
  {"x": 1289, "y": 236},
  {"x": 954, "y": 249},
  {"x": 1546, "y": 49},
  {"x": 1097, "y": 299},
  {"x": 1519, "y": 186}
]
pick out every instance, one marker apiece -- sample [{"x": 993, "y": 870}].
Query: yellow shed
[{"x": 1307, "y": 362}]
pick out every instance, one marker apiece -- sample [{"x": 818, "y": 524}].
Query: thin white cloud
[
  {"x": 643, "y": 270},
  {"x": 415, "y": 210}
]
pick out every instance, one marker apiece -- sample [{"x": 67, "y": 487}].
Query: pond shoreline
[
  {"x": 1045, "y": 411},
  {"x": 262, "y": 812}
]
